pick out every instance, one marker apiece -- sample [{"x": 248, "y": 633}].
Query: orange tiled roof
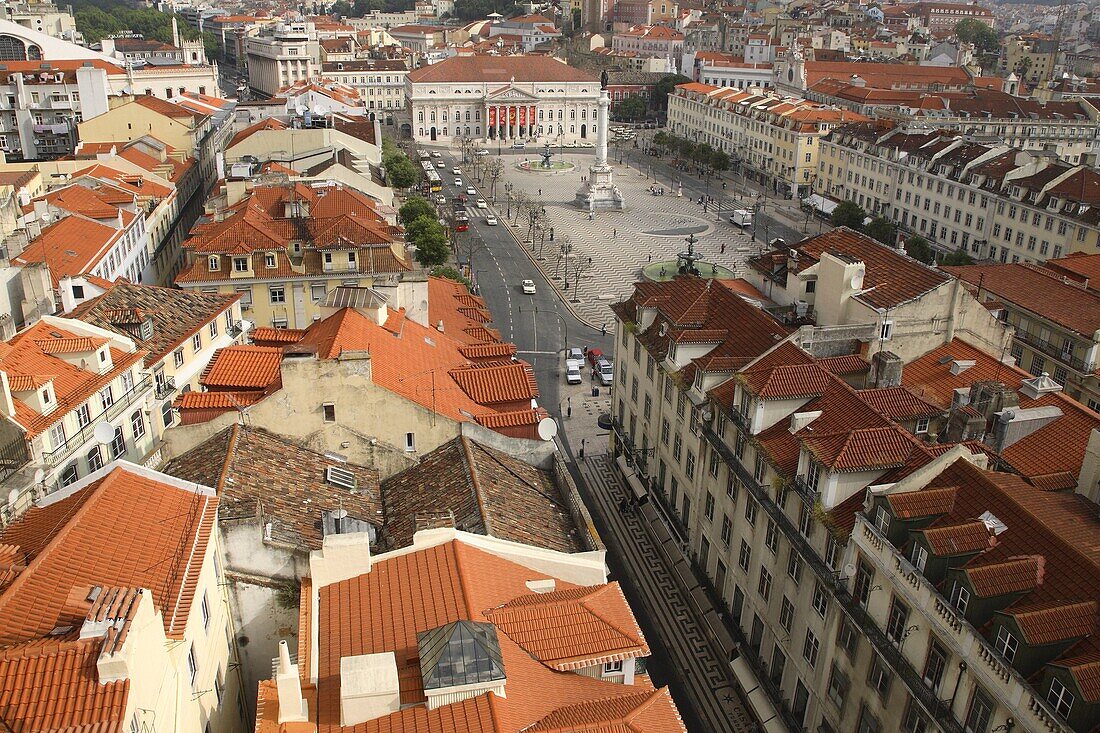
[
  {"x": 898, "y": 403},
  {"x": 71, "y": 345},
  {"x": 228, "y": 400},
  {"x": 592, "y": 625},
  {"x": 643, "y": 711},
  {"x": 89, "y": 534},
  {"x": 243, "y": 368},
  {"x": 265, "y": 336},
  {"x": 861, "y": 450},
  {"x": 786, "y": 381},
  {"x": 1054, "y": 622},
  {"x": 25, "y": 360},
  {"x": 495, "y": 384},
  {"x": 70, "y": 247},
  {"x": 438, "y": 585},
  {"x": 926, "y": 503},
  {"x": 964, "y": 538},
  {"x": 1015, "y": 575}
]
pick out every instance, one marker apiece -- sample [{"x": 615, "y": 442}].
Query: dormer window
[
  {"x": 811, "y": 473},
  {"x": 1006, "y": 644},
  {"x": 103, "y": 356},
  {"x": 212, "y": 263},
  {"x": 269, "y": 260},
  {"x": 240, "y": 264},
  {"x": 46, "y": 396},
  {"x": 882, "y": 520}
]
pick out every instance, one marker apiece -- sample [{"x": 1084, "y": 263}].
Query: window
[
  {"x": 960, "y": 597},
  {"x": 918, "y": 556},
  {"x": 177, "y": 358},
  {"x": 800, "y": 702},
  {"x": 205, "y": 611},
  {"x": 166, "y": 413},
  {"x": 731, "y": 486},
  {"x": 868, "y": 723},
  {"x": 882, "y": 520},
  {"x": 832, "y": 552},
  {"x": 106, "y": 397},
  {"x": 137, "y": 424},
  {"x": 805, "y": 520},
  {"x": 70, "y": 474},
  {"x": 328, "y": 412},
  {"x": 764, "y": 586},
  {"x": 117, "y": 446},
  {"x": 212, "y": 329},
  {"x": 681, "y": 403},
  {"x": 1060, "y": 698},
  {"x": 634, "y": 390},
  {"x": 1006, "y": 644},
  {"x": 745, "y": 556},
  {"x": 57, "y": 435},
  {"x": 664, "y": 431},
  {"x": 896, "y": 621},
  {"x": 821, "y": 599},
  {"x": 838, "y": 686},
  {"x": 771, "y": 536},
  {"x": 935, "y": 665},
  {"x": 922, "y": 426},
  {"x": 810, "y": 648},
  {"x": 82, "y": 416},
  {"x": 704, "y": 545},
  {"x": 196, "y": 343},
  {"x": 689, "y": 465},
  {"x": 677, "y": 447},
  {"x": 276, "y": 293},
  {"x": 269, "y": 260},
  {"x": 648, "y": 407},
  {"x": 794, "y": 567},
  {"x": 713, "y": 464},
  {"x": 786, "y": 614},
  {"x": 192, "y": 665},
  {"x": 219, "y": 687},
  {"x": 750, "y": 510},
  {"x": 246, "y": 297},
  {"x": 980, "y": 712},
  {"x": 759, "y": 467},
  {"x": 847, "y": 638},
  {"x": 708, "y": 503},
  {"x": 878, "y": 676},
  {"x": 615, "y": 667},
  {"x": 240, "y": 264},
  {"x": 886, "y": 330}
]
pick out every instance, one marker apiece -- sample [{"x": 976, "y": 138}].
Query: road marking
[{"x": 550, "y": 353}]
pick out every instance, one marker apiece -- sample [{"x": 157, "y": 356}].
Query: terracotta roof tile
[
  {"x": 492, "y": 385},
  {"x": 243, "y": 367},
  {"x": 958, "y": 539},
  {"x": 920, "y": 504},
  {"x": 72, "y": 246},
  {"x": 265, "y": 336},
  {"x": 570, "y": 629},
  {"x": 862, "y": 449},
  {"x": 264, "y": 477},
  {"x": 486, "y": 491},
  {"x": 1056, "y": 622},
  {"x": 1086, "y": 670},
  {"x": 216, "y": 400},
  {"x": 898, "y": 403},
  {"x": 1015, "y": 575},
  {"x": 88, "y": 534},
  {"x": 638, "y": 713},
  {"x": 786, "y": 381}
]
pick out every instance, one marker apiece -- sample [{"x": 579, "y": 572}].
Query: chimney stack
[{"x": 292, "y": 707}]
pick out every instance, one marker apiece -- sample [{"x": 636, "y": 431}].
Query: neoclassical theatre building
[{"x": 531, "y": 98}]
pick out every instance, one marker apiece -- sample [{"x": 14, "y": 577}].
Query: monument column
[
  {"x": 599, "y": 190},
  {"x": 601, "y": 127}
]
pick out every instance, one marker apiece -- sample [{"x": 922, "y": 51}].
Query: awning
[
  {"x": 632, "y": 480},
  {"x": 820, "y": 203}
]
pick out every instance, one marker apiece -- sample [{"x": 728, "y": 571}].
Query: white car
[
  {"x": 437, "y": 154},
  {"x": 491, "y": 220},
  {"x": 528, "y": 287},
  {"x": 458, "y": 182},
  {"x": 573, "y": 374},
  {"x": 471, "y": 191},
  {"x": 519, "y": 145},
  {"x": 456, "y": 171},
  {"x": 440, "y": 164},
  {"x": 481, "y": 152},
  {"x": 441, "y": 199},
  {"x": 480, "y": 203}
]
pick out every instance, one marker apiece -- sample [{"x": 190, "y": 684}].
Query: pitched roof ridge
[
  {"x": 475, "y": 483},
  {"x": 635, "y": 636},
  {"x": 230, "y": 449},
  {"x": 194, "y": 541}
]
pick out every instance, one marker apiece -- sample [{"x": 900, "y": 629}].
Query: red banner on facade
[
  {"x": 492, "y": 117},
  {"x": 531, "y": 115},
  {"x": 511, "y": 115},
  {"x": 523, "y": 116}
]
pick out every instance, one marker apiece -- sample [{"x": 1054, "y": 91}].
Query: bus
[{"x": 435, "y": 183}]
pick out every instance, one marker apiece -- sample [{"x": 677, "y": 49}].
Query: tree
[
  {"x": 849, "y": 214},
  {"x": 494, "y": 169},
  {"x": 661, "y": 139},
  {"x": 427, "y": 235},
  {"x": 958, "y": 257},
  {"x": 400, "y": 170},
  {"x": 450, "y": 273},
  {"x": 918, "y": 248},
  {"x": 467, "y": 10},
  {"x": 665, "y": 85},
  {"x": 415, "y": 208},
  {"x": 632, "y": 108},
  {"x": 972, "y": 30},
  {"x": 720, "y": 160},
  {"x": 883, "y": 230},
  {"x": 341, "y": 9}
]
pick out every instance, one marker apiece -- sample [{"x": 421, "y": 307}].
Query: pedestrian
[
  {"x": 723, "y": 248},
  {"x": 540, "y": 192},
  {"x": 585, "y": 352},
  {"x": 603, "y": 329},
  {"x": 650, "y": 259},
  {"x": 614, "y": 234}
]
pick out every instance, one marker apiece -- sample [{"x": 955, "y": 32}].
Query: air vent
[{"x": 340, "y": 477}]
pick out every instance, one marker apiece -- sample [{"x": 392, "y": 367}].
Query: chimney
[
  {"x": 886, "y": 369},
  {"x": 958, "y": 366},
  {"x": 292, "y": 706},
  {"x": 368, "y": 688},
  {"x": 7, "y": 403}
]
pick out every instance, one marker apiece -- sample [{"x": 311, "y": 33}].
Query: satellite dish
[
  {"x": 104, "y": 432},
  {"x": 13, "y": 497},
  {"x": 320, "y": 110},
  {"x": 547, "y": 428},
  {"x": 302, "y": 109},
  {"x": 849, "y": 570},
  {"x": 857, "y": 280},
  {"x": 39, "y": 474}
]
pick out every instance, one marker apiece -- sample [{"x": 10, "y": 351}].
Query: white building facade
[{"x": 502, "y": 98}]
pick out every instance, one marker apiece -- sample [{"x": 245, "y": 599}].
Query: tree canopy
[
  {"x": 849, "y": 214},
  {"x": 400, "y": 170},
  {"x": 632, "y": 108},
  {"x": 427, "y": 235},
  {"x": 415, "y": 208},
  {"x": 99, "y": 19},
  {"x": 665, "y": 85},
  {"x": 478, "y": 9},
  {"x": 919, "y": 249},
  {"x": 958, "y": 257},
  {"x": 883, "y": 230},
  {"x": 972, "y": 30}
]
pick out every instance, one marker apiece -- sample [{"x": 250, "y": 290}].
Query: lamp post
[{"x": 508, "y": 193}]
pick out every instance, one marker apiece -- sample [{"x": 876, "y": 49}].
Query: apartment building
[
  {"x": 44, "y": 17},
  {"x": 282, "y": 55},
  {"x": 284, "y": 248},
  {"x": 180, "y": 331},
  {"x": 773, "y": 138},
  {"x": 842, "y": 286},
  {"x": 769, "y": 465},
  {"x": 115, "y": 612},
  {"x": 727, "y": 70},
  {"x": 989, "y": 200},
  {"x": 650, "y": 40},
  {"x": 60, "y": 380},
  {"x": 463, "y": 652},
  {"x": 1056, "y": 322},
  {"x": 381, "y": 82}
]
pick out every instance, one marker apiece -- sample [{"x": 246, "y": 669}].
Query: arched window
[{"x": 14, "y": 49}]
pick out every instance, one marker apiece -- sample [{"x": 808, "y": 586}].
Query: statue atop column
[{"x": 599, "y": 190}]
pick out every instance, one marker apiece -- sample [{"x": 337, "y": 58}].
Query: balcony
[
  {"x": 807, "y": 492},
  {"x": 740, "y": 419},
  {"x": 82, "y": 436},
  {"x": 936, "y": 708},
  {"x": 1055, "y": 352},
  {"x": 165, "y": 388}
]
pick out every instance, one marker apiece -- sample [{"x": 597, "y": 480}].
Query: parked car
[
  {"x": 574, "y": 356},
  {"x": 481, "y": 152},
  {"x": 605, "y": 372},
  {"x": 519, "y": 145},
  {"x": 594, "y": 355},
  {"x": 440, "y": 199},
  {"x": 573, "y": 374},
  {"x": 480, "y": 203},
  {"x": 491, "y": 220},
  {"x": 528, "y": 287}
]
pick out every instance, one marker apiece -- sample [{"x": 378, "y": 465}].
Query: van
[{"x": 741, "y": 218}]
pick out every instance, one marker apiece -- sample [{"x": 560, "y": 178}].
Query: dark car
[
  {"x": 459, "y": 199},
  {"x": 594, "y": 355}
]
